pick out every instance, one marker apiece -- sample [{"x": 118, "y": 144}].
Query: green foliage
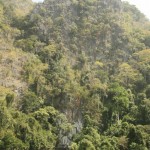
[
  {"x": 88, "y": 139},
  {"x": 118, "y": 101},
  {"x": 119, "y": 96},
  {"x": 24, "y": 131},
  {"x": 144, "y": 111},
  {"x": 148, "y": 91},
  {"x": 127, "y": 75},
  {"x": 9, "y": 99},
  {"x": 9, "y": 141},
  {"x": 74, "y": 75},
  {"x": 109, "y": 143},
  {"x": 86, "y": 144},
  {"x": 30, "y": 102}
]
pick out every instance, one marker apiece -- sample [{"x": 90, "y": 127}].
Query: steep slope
[
  {"x": 11, "y": 59},
  {"x": 89, "y": 60},
  {"x": 96, "y": 28},
  {"x": 18, "y": 71},
  {"x": 17, "y": 7},
  {"x": 88, "y": 35}
]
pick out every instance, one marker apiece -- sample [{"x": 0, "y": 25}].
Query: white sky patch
[
  {"x": 142, "y": 5},
  {"x": 37, "y": 1}
]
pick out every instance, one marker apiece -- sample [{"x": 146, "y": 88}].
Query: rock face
[
  {"x": 65, "y": 139},
  {"x": 11, "y": 67}
]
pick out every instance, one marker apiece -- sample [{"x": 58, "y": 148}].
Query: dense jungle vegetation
[{"x": 74, "y": 74}]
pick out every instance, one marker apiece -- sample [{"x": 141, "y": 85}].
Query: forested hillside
[{"x": 74, "y": 74}]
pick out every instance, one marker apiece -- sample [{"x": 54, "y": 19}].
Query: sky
[
  {"x": 142, "y": 5},
  {"x": 37, "y": 0}
]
